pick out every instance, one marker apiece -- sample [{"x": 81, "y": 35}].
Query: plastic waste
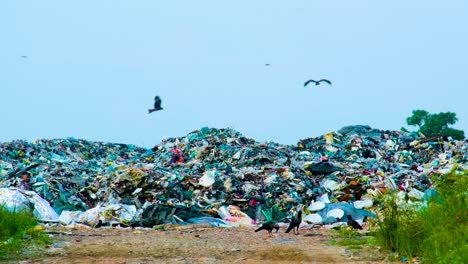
[
  {"x": 363, "y": 203},
  {"x": 336, "y": 213},
  {"x": 313, "y": 218},
  {"x": 17, "y": 199},
  {"x": 317, "y": 206},
  {"x": 223, "y": 167},
  {"x": 207, "y": 179},
  {"x": 415, "y": 193},
  {"x": 215, "y": 222},
  {"x": 68, "y": 217}
]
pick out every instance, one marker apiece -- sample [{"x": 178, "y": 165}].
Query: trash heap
[{"x": 118, "y": 182}]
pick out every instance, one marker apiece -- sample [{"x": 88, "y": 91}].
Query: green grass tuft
[
  {"x": 437, "y": 233},
  {"x": 16, "y": 231}
]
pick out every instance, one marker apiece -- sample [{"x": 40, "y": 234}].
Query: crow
[
  {"x": 99, "y": 224},
  {"x": 355, "y": 225},
  {"x": 157, "y": 105},
  {"x": 317, "y": 82},
  {"x": 295, "y": 222},
  {"x": 269, "y": 226}
]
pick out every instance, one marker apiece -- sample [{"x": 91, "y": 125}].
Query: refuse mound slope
[{"x": 221, "y": 166}]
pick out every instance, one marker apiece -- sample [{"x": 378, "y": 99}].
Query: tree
[{"x": 435, "y": 124}]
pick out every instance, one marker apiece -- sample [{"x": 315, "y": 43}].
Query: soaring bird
[
  {"x": 295, "y": 222},
  {"x": 157, "y": 105},
  {"x": 317, "y": 82},
  {"x": 351, "y": 222},
  {"x": 269, "y": 226}
]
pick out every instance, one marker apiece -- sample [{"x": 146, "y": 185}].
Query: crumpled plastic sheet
[
  {"x": 122, "y": 213},
  {"x": 348, "y": 209},
  {"x": 14, "y": 199},
  {"x": 213, "y": 221}
]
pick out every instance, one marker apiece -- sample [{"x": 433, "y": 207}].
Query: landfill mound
[{"x": 222, "y": 167}]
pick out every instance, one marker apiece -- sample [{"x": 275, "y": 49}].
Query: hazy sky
[{"x": 90, "y": 69}]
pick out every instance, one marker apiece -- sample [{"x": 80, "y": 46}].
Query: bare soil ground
[{"x": 192, "y": 244}]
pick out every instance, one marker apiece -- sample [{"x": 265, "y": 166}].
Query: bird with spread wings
[{"x": 317, "y": 82}]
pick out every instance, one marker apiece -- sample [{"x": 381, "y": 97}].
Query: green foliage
[
  {"x": 447, "y": 232},
  {"x": 418, "y": 118},
  {"x": 435, "y": 124},
  {"x": 437, "y": 233},
  {"x": 399, "y": 229},
  {"x": 274, "y": 213},
  {"x": 16, "y": 231}
]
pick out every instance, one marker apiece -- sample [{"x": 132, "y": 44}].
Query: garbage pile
[{"x": 211, "y": 168}]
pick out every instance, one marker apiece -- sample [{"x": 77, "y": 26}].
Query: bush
[
  {"x": 437, "y": 233},
  {"x": 17, "y": 230}
]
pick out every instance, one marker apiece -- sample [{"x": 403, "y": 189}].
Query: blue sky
[{"x": 92, "y": 68}]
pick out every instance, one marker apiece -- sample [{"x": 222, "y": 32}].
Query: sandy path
[{"x": 192, "y": 244}]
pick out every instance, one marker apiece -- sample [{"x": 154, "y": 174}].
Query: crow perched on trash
[
  {"x": 351, "y": 222},
  {"x": 295, "y": 222},
  {"x": 269, "y": 226},
  {"x": 317, "y": 82},
  {"x": 157, "y": 105}
]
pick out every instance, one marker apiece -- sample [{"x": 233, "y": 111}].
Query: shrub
[
  {"x": 17, "y": 230},
  {"x": 438, "y": 233}
]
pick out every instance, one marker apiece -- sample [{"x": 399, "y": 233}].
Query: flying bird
[
  {"x": 269, "y": 226},
  {"x": 351, "y": 222},
  {"x": 295, "y": 222},
  {"x": 157, "y": 105},
  {"x": 317, "y": 82}
]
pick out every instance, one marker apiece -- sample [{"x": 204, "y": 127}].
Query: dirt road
[{"x": 191, "y": 244}]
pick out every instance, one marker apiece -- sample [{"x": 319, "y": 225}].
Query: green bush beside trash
[
  {"x": 437, "y": 233},
  {"x": 17, "y": 230}
]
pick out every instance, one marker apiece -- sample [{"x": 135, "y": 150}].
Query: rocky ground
[{"x": 195, "y": 244}]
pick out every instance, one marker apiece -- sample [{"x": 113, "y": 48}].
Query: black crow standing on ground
[
  {"x": 317, "y": 82},
  {"x": 295, "y": 222},
  {"x": 269, "y": 226},
  {"x": 351, "y": 222},
  {"x": 99, "y": 224},
  {"x": 157, "y": 105}
]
